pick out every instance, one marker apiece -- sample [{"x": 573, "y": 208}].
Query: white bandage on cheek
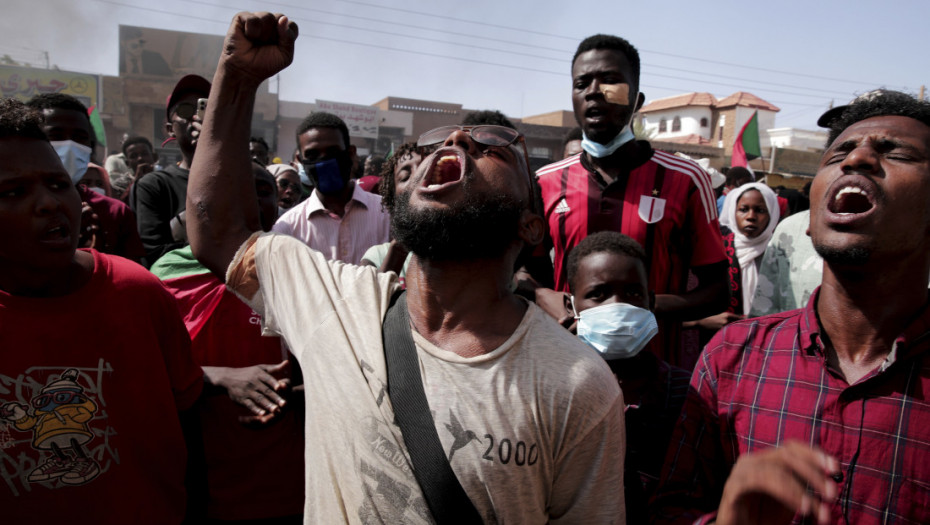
[{"x": 616, "y": 93}]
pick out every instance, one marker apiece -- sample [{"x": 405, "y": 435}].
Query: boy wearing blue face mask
[{"x": 612, "y": 304}]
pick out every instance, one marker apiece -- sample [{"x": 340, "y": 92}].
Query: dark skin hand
[
  {"x": 89, "y": 227},
  {"x": 143, "y": 169},
  {"x": 255, "y": 388},
  {"x": 771, "y": 486}
]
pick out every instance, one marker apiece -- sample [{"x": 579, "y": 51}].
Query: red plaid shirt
[{"x": 763, "y": 381}]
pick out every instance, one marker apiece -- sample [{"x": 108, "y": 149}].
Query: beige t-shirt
[{"x": 534, "y": 429}]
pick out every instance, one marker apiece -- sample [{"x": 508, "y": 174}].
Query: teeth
[
  {"x": 433, "y": 186},
  {"x": 448, "y": 158},
  {"x": 850, "y": 189}
]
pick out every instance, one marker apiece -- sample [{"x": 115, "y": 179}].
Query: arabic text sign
[
  {"x": 23, "y": 83},
  {"x": 361, "y": 120}
]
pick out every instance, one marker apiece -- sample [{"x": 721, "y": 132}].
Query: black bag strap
[{"x": 444, "y": 495}]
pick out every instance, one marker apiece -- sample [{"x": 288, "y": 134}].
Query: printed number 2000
[{"x": 507, "y": 451}]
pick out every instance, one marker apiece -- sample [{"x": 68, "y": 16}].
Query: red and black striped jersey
[{"x": 666, "y": 203}]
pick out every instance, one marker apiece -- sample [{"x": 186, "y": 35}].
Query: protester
[
  {"x": 259, "y": 151},
  {"x": 750, "y": 214},
  {"x": 106, "y": 224},
  {"x": 539, "y": 454},
  {"x": 287, "y": 182},
  {"x": 663, "y": 202},
  {"x": 253, "y": 371},
  {"x": 96, "y": 179},
  {"x": 159, "y": 198},
  {"x": 96, "y": 361},
  {"x": 571, "y": 144},
  {"x": 340, "y": 219},
  {"x": 612, "y": 306},
  {"x": 393, "y": 256},
  {"x": 820, "y": 414},
  {"x": 140, "y": 158},
  {"x": 790, "y": 269},
  {"x": 736, "y": 176}
]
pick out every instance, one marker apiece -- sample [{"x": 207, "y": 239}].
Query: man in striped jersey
[{"x": 620, "y": 184}]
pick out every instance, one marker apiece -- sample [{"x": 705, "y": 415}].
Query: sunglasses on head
[{"x": 489, "y": 136}]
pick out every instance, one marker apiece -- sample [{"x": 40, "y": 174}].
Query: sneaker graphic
[
  {"x": 82, "y": 470},
  {"x": 51, "y": 469},
  {"x": 562, "y": 207}
]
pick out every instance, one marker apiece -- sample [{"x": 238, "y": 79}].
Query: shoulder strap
[{"x": 444, "y": 495}]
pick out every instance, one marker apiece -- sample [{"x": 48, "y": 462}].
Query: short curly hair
[
  {"x": 610, "y": 242},
  {"x": 322, "y": 119},
  {"x": 883, "y": 103},
  {"x": 614, "y": 43},
  {"x": 19, "y": 120},
  {"x": 487, "y": 117},
  {"x": 386, "y": 187}
]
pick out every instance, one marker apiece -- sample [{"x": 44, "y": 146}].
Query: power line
[{"x": 448, "y": 57}]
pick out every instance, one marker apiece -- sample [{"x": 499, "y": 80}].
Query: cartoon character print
[{"x": 58, "y": 421}]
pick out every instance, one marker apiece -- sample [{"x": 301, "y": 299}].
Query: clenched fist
[{"x": 258, "y": 45}]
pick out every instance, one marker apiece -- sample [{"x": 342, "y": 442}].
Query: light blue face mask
[
  {"x": 596, "y": 149},
  {"x": 616, "y": 330},
  {"x": 73, "y": 156},
  {"x": 302, "y": 173}
]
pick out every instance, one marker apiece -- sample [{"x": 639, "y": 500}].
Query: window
[
  {"x": 704, "y": 122},
  {"x": 676, "y": 124},
  {"x": 662, "y": 126}
]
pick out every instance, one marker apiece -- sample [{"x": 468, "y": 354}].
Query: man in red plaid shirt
[{"x": 823, "y": 414}]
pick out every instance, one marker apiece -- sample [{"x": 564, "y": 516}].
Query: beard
[
  {"x": 847, "y": 256},
  {"x": 481, "y": 227}
]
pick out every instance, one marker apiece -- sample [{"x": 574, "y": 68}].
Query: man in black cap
[{"x": 159, "y": 198}]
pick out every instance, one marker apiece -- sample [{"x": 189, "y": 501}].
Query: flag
[
  {"x": 97, "y": 124},
  {"x": 747, "y": 145},
  {"x": 390, "y": 152}
]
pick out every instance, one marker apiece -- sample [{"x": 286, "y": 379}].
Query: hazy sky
[{"x": 515, "y": 56}]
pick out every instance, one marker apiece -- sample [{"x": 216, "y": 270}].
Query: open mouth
[
  {"x": 57, "y": 234},
  {"x": 448, "y": 169},
  {"x": 851, "y": 199},
  {"x": 594, "y": 112}
]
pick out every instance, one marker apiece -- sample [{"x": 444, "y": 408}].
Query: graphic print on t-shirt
[{"x": 51, "y": 429}]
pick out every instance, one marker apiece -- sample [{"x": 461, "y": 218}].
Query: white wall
[
  {"x": 794, "y": 138},
  {"x": 690, "y": 122}
]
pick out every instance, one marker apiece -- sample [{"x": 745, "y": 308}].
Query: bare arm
[{"x": 223, "y": 211}]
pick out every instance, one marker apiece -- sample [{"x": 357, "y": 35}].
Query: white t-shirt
[{"x": 534, "y": 429}]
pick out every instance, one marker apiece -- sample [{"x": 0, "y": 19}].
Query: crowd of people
[{"x": 443, "y": 336}]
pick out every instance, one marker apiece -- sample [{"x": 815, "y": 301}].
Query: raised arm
[{"x": 222, "y": 211}]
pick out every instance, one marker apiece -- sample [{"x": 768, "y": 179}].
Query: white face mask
[
  {"x": 616, "y": 330},
  {"x": 73, "y": 156},
  {"x": 96, "y": 189}
]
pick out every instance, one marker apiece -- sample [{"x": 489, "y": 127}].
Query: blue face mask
[
  {"x": 596, "y": 149},
  {"x": 73, "y": 156},
  {"x": 330, "y": 176},
  {"x": 616, "y": 330}
]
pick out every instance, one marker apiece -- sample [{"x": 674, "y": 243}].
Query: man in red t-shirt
[
  {"x": 96, "y": 360},
  {"x": 620, "y": 184}
]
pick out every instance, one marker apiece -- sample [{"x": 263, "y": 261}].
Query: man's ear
[
  {"x": 532, "y": 228},
  {"x": 169, "y": 129}
]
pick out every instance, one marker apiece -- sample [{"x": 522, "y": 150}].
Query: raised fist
[{"x": 258, "y": 45}]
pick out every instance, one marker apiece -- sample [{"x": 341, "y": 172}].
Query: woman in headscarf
[{"x": 750, "y": 213}]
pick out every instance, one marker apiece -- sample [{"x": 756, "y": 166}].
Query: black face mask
[{"x": 330, "y": 176}]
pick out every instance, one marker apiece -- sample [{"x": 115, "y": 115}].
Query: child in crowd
[
  {"x": 90, "y": 430},
  {"x": 611, "y": 302}
]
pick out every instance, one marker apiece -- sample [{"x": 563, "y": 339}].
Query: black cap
[{"x": 826, "y": 120}]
